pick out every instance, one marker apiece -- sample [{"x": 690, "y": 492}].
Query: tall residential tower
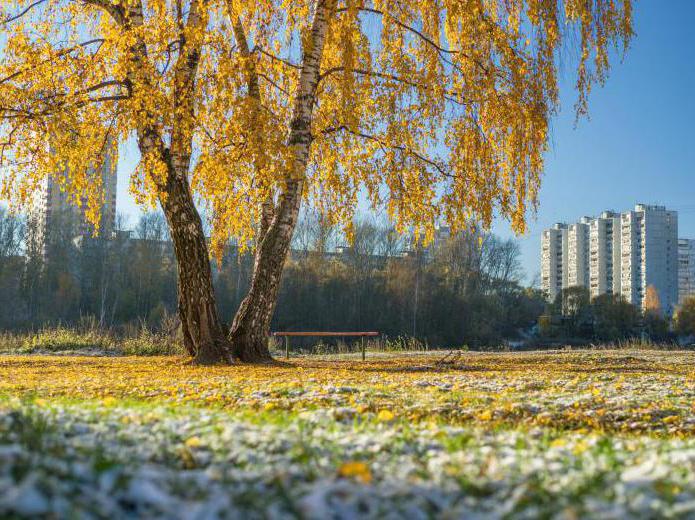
[
  {"x": 578, "y": 253},
  {"x": 604, "y": 265},
  {"x": 626, "y": 253},
  {"x": 53, "y": 211},
  {"x": 554, "y": 272},
  {"x": 686, "y": 269},
  {"x": 650, "y": 255}
]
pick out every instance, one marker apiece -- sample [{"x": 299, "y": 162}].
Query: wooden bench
[{"x": 361, "y": 335}]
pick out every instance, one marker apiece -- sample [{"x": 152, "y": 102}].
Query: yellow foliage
[
  {"x": 485, "y": 415},
  {"x": 519, "y": 390},
  {"x": 652, "y": 303},
  {"x": 385, "y": 416},
  {"x": 434, "y": 109},
  {"x": 193, "y": 442}
]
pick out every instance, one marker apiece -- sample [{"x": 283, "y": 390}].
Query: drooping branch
[
  {"x": 429, "y": 41},
  {"x": 60, "y": 53},
  {"x": 450, "y": 95},
  {"x": 268, "y": 205},
  {"x": 384, "y": 144},
  {"x": 276, "y": 58}
]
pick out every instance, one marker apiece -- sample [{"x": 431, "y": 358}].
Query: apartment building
[
  {"x": 604, "y": 254},
  {"x": 686, "y": 269},
  {"x": 650, "y": 255},
  {"x": 52, "y": 210},
  {"x": 554, "y": 264},
  {"x": 578, "y": 242},
  {"x": 619, "y": 253}
]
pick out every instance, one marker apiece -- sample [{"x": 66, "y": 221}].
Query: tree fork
[{"x": 251, "y": 326}]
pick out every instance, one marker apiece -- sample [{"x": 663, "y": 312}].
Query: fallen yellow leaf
[{"x": 357, "y": 470}]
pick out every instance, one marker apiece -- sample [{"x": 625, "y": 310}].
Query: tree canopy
[{"x": 439, "y": 109}]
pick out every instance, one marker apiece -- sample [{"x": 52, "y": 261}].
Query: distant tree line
[
  {"x": 575, "y": 315},
  {"x": 464, "y": 289}
]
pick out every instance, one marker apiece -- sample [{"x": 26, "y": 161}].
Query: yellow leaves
[
  {"x": 356, "y": 470},
  {"x": 193, "y": 442},
  {"x": 444, "y": 109},
  {"x": 385, "y": 416},
  {"x": 560, "y": 442},
  {"x": 362, "y": 408},
  {"x": 485, "y": 415},
  {"x": 523, "y": 390}
]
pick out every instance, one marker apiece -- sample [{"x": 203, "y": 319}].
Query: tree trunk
[
  {"x": 203, "y": 335},
  {"x": 251, "y": 326}
]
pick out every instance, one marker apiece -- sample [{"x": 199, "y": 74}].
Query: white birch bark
[{"x": 249, "y": 333}]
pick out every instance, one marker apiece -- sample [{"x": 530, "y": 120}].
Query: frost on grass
[
  {"x": 158, "y": 462},
  {"x": 567, "y": 436}
]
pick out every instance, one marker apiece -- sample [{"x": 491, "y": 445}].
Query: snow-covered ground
[{"x": 602, "y": 435}]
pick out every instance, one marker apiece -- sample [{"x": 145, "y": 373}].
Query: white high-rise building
[
  {"x": 650, "y": 255},
  {"x": 578, "y": 253},
  {"x": 604, "y": 251},
  {"x": 554, "y": 272},
  {"x": 686, "y": 269},
  {"x": 620, "y": 254},
  {"x": 52, "y": 209}
]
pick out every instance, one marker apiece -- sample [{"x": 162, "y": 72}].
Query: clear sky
[{"x": 638, "y": 144}]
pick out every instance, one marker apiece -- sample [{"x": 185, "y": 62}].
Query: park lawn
[{"x": 601, "y": 433}]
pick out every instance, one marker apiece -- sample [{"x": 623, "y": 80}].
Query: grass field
[{"x": 561, "y": 434}]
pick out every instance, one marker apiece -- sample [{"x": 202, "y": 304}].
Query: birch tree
[{"x": 436, "y": 110}]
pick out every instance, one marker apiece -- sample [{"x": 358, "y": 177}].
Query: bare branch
[
  {"x": 117, "y": 97},
  {"x": 103, "y": 84},
  {"x": 276, "y": 58},
  {"x": 169, "y": 49},
  {"x": 273, "y": 83},
  {"x": 23, "y": 12}
]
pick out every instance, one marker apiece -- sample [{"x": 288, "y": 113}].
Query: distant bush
[
  {"x": 685, "y": 318},
  {"x": 151, "y": 343},
  {"x": 88, "y": 337},
  {"x": 68, "y": 339}
]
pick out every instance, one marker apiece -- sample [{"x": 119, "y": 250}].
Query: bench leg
[
  {"x": 364, "y": 353},
  {"x": 287, "y": 347}
]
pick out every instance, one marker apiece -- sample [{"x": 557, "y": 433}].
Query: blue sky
[{"x": 638, "y": 144}]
